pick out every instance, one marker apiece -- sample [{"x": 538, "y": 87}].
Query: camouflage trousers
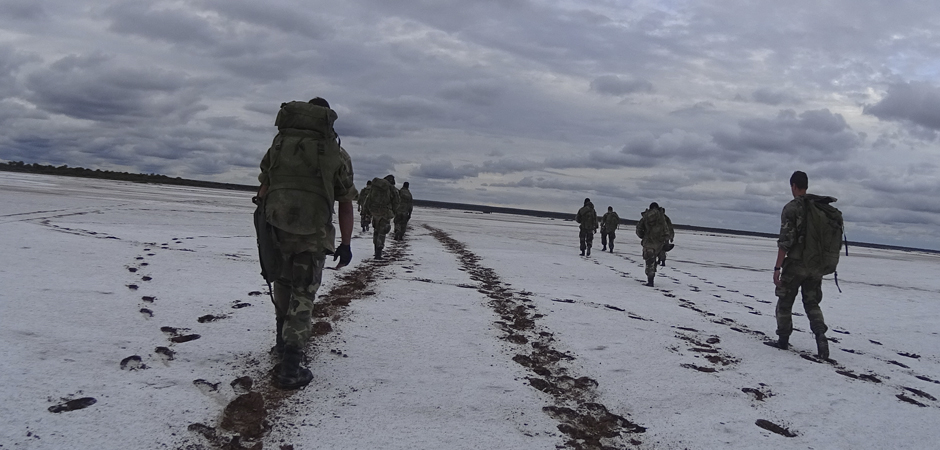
[
  {"x": 401, "y": 223},
  {"x": 650, "y": 252},
  {"x": 587, "y": 238},
  {"x": 364, "y": 220},
  {"x": 607, "y": 239},
  {"x": 380, "y": 227},
  {"x": 295, "y": 290},
  {"x": 794, "y": 278}
]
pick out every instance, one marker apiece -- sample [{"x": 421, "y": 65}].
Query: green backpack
[
  {"x": 305, "y": 154},
  {"x": 378, "y": 203},
  {"x": 656, "y": 228},
  {"x": 825, "y": 231}
]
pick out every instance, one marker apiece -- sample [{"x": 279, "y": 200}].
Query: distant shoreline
[{"x": 81, "y": 172}]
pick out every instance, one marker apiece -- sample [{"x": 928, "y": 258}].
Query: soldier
[
  {"x": 654, "y": 229},
  {"x": 298, "y": 192},
  {"x": 587, "y": 217},
  {"x": 364, "y": 217},
  {"x": 790, "y": 274},
  {"x": 381, "y": 205},
  {"x": 609, "y": 224},
  {"x": 403, "y": 213}
]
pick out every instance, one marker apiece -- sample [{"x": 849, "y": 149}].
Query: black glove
[{"x": 344, "y": 254}]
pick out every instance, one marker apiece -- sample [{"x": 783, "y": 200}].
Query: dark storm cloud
[
  {"x": 480, "y": 93},
  {"x": 445, "y": 170},
  {"x": 914, "y": 103},
  {"x": 615, "y": 85},
  {"x": 20, "y": 10},
  {"x": 774, "y": 97},
  {"x": 95, "y": 87},
  {"x": 814, "y": 135},
  {"x": 169, "y": 24},
  {"x": 286, "y": 19},
  {"x": 367, "y": 167}
]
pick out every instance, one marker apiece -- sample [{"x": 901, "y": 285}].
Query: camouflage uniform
[
  {"x": 609, "y": 224},
  {"x": 364, "y": 217},
  {"x": 587, "y": 217},
  {"x": 651, "y": 241},
  {"x": 305, "y": 234},
  {"x": 794, "y": 277},
  {"x": 661, "y": 258},
  {"x": 382, "y": 217},
  {"x": 403, "y": 212}
]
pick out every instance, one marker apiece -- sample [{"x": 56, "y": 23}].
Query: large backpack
[
  {"x": 822, "y": 241},
  {"x": 378, "y": 203},
  {"x": 656, "y": 229}
]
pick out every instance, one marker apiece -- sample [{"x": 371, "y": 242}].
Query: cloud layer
[{"x": 704, "y": 107}]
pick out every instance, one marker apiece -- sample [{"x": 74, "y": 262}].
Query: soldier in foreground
[
  {"x": 587, "y": 217},
  {"x": 655, "y": 230},
  {"x": 297, "y": 194},
  {"x": 381, "y": 204},
  {"x": 403, "y": 213},
  {"x": 364, "y": 217},
  {"x": 609, "y": 224},
  {"x": 797, "y": 253}
]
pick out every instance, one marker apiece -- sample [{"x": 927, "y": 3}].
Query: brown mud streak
[
  {"x": 587, "y": 424},
  {"x": 247, "y": 419}
]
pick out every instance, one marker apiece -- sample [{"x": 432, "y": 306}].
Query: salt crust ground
[{"x": 423, "y": 366}]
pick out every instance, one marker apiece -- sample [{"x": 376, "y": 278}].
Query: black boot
[
  {"x": 292, "y": 374},
  {"x": 822, "y": 346},
  {"x": 589, "y": 251},
  {"x": 604, "y": 249},
  {"x": 582, "y": 252},
  {"x": 782, "y": 342},
  {"x": 378, "y": 254},
  {"x": 650, "y": 282},
  {"x": 278, "y": 349}
]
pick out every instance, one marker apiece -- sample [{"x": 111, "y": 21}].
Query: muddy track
[
  {"x": 245, "y": 421},
  {"x": 587, "y": 423}
]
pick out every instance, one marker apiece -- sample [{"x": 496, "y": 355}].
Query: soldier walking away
[
  {"x": 381, "y": 205},
  {"x": 808, "y": 248},
  {"x": 403, "y": 213},
  {"x": 297, "y": 193},
  {"x": 364, "y": 217},
  {"x": 609, "y": 224},
  {"x": 654, "y": 230},
  {"x": 587, "y": 217},
  {"x": 661, "y": 258}
]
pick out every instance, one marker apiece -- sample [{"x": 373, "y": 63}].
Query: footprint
[
  {"x": 72, "y": 405},
  {"x": 132, "y": 269},
  {"x": 148, "y": 298},
  {"x": 133, "y": 362},
  {"x": 205, "y": 386},
  {"x": 146, "y": 312},
  {"x": 165, "y": 353},
  {"x": 146, "y": 278},
  {"x": 242, "y": 385}
]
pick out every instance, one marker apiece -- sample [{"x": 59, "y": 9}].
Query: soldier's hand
[
  {"x": 777, "y": 278},
  {"x": 344, "y": 254}
]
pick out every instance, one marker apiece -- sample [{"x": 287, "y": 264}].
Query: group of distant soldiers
[
  {"x": 306, "y": 171},
  {"x": 654, "y": 229},
  {"x": 792, "y": 271},
  {"x": 381, "y": 204}
]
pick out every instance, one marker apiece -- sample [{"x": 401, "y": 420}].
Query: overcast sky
[{"x": 706, "y": 107}]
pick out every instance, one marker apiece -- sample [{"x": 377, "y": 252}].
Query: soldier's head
[
  {"x": 390, "y": 178},
  {"x": 369, "y": 183},
  {"x": 799, "y": 182},
  {"x": 319, "y": 101},
  {"x": 654, "y": 205},
  {"x": 587, "y": 200},
  {"x": 405, "y": 185},
  {"x": 610, "y": 209}
]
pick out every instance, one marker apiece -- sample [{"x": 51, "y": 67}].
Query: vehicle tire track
[{"x": 588, "y": 424}]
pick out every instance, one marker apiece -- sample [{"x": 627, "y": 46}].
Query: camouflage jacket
[
  {"x": 792, "y": 228},
  {"x": 610, "y": 222},
  {"x": 587, "y": 217},
  {"x": 645, "y": 229},
  {"x": 406, "y": 201}
]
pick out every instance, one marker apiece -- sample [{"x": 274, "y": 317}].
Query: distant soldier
[
  {"x": 661, "y": 259},
  {"x": 403, "y": 213},
  {"x": 609, "y": 224},
  {"x": 587, "y": 217},
  {"x": 364, "y": 217},
  {"x": 297, "y": 193},
  {"x": 655, "y": 230},
  {"x": 808, "y": 248},
  {"x": 381, "y": 204}
]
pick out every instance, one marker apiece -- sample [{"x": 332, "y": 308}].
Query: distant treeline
[{"x": 19, "y": 166}]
